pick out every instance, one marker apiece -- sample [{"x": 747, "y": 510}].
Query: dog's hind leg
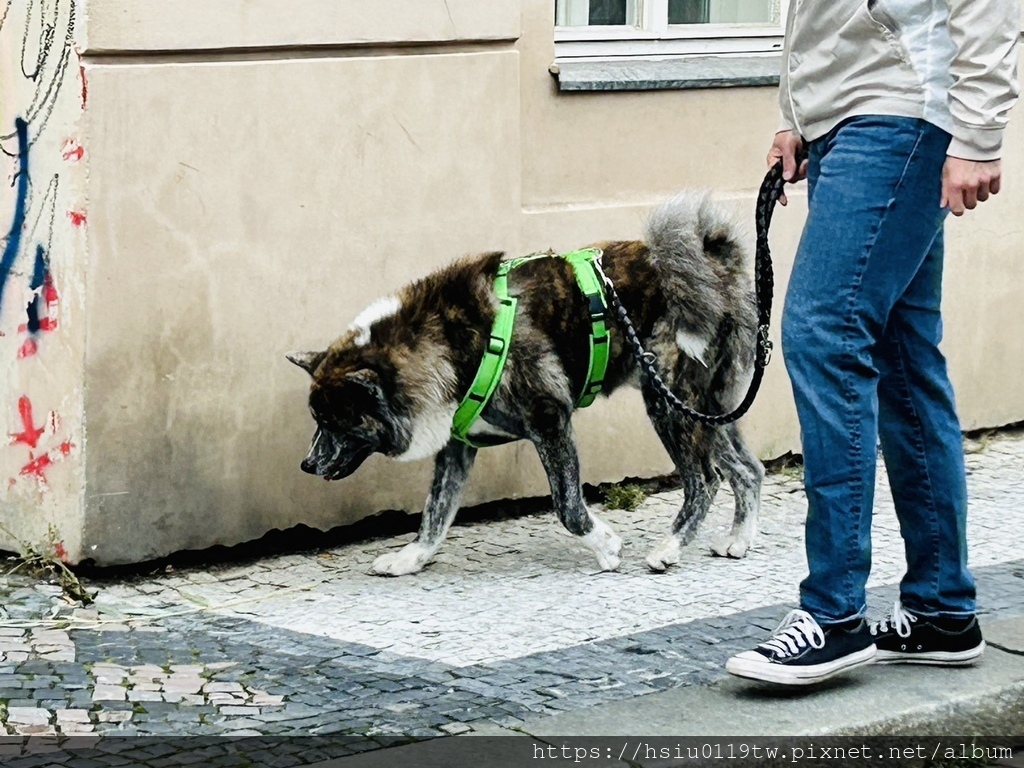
[
  {"x": 690, "y": 446},
  {"x": 451, "y": 468},
  {"x": 557, "y": 450},
  {"x": 745, "y": 474}
]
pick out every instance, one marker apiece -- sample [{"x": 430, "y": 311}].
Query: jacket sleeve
[
  {"x": 984, "y": 71},
  {"x": 787, "y": 120}
]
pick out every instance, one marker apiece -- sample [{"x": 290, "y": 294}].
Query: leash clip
[{"x": 765, "y": 345}]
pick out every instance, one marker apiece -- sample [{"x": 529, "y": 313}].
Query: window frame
[{"x": 655, "y": 37}]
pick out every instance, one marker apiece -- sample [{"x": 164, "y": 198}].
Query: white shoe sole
[
  {"x": 785, "y": 674},
  {"x": 938, "y": 658}
]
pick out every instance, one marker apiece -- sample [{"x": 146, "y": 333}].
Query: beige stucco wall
[
  {"x": 258, "y": 172},
  {"x": 259, "y": 224}
]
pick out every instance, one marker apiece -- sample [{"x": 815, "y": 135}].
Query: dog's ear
[{"x": 307, "y": 361}]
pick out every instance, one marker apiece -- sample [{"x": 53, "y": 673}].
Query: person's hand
[
  {"x": 788, "y": 147},
  {"x": 965, "y": 183}
]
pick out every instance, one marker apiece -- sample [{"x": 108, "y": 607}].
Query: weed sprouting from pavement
[
  {"x": 45, "y": 561},
  {"x": 624, "y": 496}
]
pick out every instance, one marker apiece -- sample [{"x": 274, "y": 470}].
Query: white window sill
[{"x": 638, "y": 74}]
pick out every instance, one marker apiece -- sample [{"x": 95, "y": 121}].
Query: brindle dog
[{"x": 392, "y": 382}]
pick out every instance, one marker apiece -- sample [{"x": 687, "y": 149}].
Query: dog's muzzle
[{"x": 332, "y": 458}]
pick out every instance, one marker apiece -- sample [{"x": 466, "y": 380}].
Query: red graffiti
[
  {"x": 44, "y": 324},
  {"x": 72, "y": 151},
  {"x": 48, "y": 324},
  {"x": 37, "y": 467},
  {"x": 49, "y": 292},
  {"x": 30, "y": 436},
  {"x": 78, "y": 218},
  {"x": 28, "y": 349}
]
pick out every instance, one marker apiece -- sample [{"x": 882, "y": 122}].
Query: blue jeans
[{"x": 860, "y": 333}]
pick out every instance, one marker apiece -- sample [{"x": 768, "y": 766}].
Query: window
[{"x": 609, "y": 29}]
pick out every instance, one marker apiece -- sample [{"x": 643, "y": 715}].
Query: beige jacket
[{"x": 950, "y": 62}]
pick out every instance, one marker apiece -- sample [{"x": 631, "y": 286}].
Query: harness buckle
[{"x": 495, "y": 345}]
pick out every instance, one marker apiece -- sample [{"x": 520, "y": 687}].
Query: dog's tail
[
  {"x": 691, "y": 225},
  {"x": 698, "y": 250}
]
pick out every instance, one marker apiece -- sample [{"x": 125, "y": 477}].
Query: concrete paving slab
[
  {"x": 1006, "y": 634},
  {"x": 877, "y": 699}
]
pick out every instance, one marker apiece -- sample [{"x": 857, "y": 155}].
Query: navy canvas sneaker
[
  {"x": 800, "y": 652},
  {"x": 903, "y": 637}
]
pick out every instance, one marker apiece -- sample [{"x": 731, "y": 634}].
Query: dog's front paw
[
  {"x": 735, "y": 545},
  {"x": 603, "y": 541},
  {"x": 664, "y": 555},
  {"x": 409, "y": 559}
]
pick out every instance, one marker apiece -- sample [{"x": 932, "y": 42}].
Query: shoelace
[
  {"x": 899, "y": 619},
  {"x": 797, "y": 631}
]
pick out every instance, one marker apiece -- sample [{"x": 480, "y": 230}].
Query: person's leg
[
  {"x": 873, "y": 215},
  {"x": 921, "y": 442},
  {"x": 923, "y": 450}
]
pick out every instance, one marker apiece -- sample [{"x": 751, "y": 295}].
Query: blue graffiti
[
  {"x": 13, "y": 244},
  {"x": 40, "y": 273}
]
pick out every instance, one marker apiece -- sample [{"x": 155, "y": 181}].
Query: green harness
[{"x": 585, "y": 265}]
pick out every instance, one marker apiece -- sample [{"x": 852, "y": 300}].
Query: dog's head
[{"x": 352, "y": 412}]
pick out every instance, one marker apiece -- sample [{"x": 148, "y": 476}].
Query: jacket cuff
[{"x": 978, "y": 144}]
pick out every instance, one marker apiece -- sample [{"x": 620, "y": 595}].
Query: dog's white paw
[
  {"x": 603, "y": 541},
  {"x": 735, "y": 545},
  {"x": 409, "y": 559},
  {"x": 664, "y": 555}
]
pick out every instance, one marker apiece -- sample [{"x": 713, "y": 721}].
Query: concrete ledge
[
  {"x": 987, "y": 699},
  {"x": 666, "y": 74},
  {"x": 147, "y": 26}
]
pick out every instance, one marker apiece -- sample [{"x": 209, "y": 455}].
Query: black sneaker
[
  {"x": 906, "y": 638},
  {"x": 802, "y": 653}
]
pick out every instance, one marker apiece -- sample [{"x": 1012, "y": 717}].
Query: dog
[{"x": 392, "y": 382}]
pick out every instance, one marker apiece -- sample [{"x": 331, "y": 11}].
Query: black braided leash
[{"x": 764, "y": 283}]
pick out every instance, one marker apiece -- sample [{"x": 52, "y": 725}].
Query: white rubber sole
[
  {"x": 937, "y": 658},
  {"x": 759, "y": 668}
]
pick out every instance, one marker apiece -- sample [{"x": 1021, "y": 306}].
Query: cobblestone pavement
[{"x": 512, "y": 620}]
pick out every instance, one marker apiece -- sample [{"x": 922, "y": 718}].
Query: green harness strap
[
  {"x": 488, "y": 375},
  {"x": 586, "y": 266}
]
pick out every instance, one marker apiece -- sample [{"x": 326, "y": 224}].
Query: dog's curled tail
[{"x": 691, "y": 225}]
